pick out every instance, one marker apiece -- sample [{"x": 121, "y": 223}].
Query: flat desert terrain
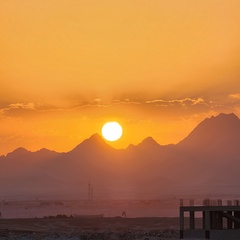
[
  {"x": 87, "y": 228},
  {"x": 84, "y": 220}
]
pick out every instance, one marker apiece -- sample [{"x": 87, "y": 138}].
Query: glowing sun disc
[{"x": 112, "y": 131}]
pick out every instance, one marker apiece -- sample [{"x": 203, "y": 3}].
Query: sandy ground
[
  {"x": 23, "y": 220},
  {"x": 109, "y": 208},
  {"x": 90, "y": 228}
]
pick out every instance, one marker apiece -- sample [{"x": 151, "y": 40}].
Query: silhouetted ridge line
[
  {"x": 150, "y": 141},
  {"x": 222, "y": 129},
  {"x": 207, "y": 160},
  {"x": 18, "y": 152},
  {"x": 93, "y": 142}
]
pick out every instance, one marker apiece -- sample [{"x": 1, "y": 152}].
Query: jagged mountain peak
[
  {"x": 149, "y": 141},
  {"x": 94, "y": 139},
  {"x": 222, "y": 117},
  {"x": 44, "y": 150},
  {"x": 93, "y": 142},
  {"x": 227, "y": 116},
  {"x": 18, "y": 151},
  {"x": 222, "y": 121},
  {"x": 45, "y": 153},
  {"x": 222, "y": 130},
  {"x": 146, "y": 144}
]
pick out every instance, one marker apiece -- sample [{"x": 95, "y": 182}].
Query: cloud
[
  {"x": 21, "y": 105},
  {"x": 24, "y": 109},
  {"x": 17, "y": 108},
  {"x": 183, "y": 101},
  {"x": 234, "y": 96}
]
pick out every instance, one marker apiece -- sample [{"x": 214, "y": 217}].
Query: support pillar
[
  {"x": 192, "y": 219},
  {"x": 181, "y": 223},
  {"x": 237, "y": 224},
  {"x": 203, "y": 220},
  {"x": 213, "y": 220},
  {"x": 229, "y": 222},
  {"x": 207, "y": 224},
  {"x": 219, "y": 220}
]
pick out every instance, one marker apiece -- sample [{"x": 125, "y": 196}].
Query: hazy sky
[{"x": 158, "y": 67}]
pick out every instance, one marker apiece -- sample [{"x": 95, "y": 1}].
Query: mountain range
[{"x": 205, "y": 162}]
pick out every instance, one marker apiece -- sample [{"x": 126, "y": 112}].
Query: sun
[{"x": 112, "y": 131}]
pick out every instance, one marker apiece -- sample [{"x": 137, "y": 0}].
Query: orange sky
[{"x": 158, "y": 67}]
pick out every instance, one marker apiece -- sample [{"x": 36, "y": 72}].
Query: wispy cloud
[
  {"x": 234, "y": 96},
  {"x": 192, "y": 101},
  {"x": 17, "y": 107},
  {"x": 21, "y": 105}
]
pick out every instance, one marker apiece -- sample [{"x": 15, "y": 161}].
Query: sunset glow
[
  {"x": 112, "y": 131},
  {"x": 157, "y": 67}
]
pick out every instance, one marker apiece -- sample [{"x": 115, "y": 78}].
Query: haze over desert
[{"x": 119, "y": 119}]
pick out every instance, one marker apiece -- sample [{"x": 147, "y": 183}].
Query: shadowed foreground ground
[{"x": 90, "y": 228}]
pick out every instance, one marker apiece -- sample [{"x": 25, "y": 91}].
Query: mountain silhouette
[
  {"x": 19, "y": 152},
  {"x": 149, "y": 144},
  {"x": 219, "y": 133},
  {"x": 206, "y": 161},
  {"x": 93, "y": 145}
]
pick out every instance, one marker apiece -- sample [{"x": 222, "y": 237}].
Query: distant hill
[
  {"x": 206, "y": 161},
  {"x": 220, "y": 134}
]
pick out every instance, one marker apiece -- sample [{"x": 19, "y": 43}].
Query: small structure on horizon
[
  {"x": 90, "y": 191},
  {"x": 124, "y": 214}
]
